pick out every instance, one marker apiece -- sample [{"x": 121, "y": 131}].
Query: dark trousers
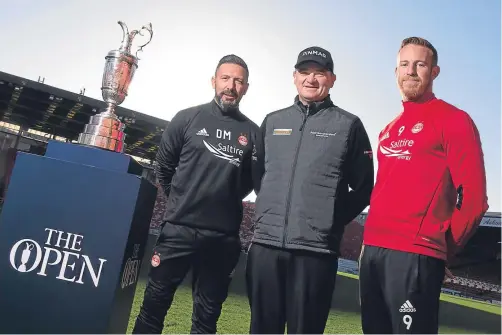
[
  {"x": 399, "y": 291},
  {"x": 290, "y": 287},
  {"x": 212, "y": 257}
]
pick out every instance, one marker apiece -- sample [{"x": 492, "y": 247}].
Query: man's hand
[{"x": 447, "y": 274}]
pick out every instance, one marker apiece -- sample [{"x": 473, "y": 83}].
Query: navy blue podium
[{"x": 73, "y": 231}]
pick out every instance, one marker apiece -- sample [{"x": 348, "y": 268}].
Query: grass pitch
[{"x": 235, "y": 316}]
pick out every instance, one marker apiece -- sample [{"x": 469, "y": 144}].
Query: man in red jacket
[{"x": 428, "y": 200}]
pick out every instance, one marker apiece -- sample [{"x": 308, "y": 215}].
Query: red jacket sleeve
[{"x": 465, "y": 161}]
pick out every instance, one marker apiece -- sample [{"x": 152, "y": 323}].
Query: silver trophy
[{"x": 105, "y": 130}]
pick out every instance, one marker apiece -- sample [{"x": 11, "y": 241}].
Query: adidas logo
[
  {"x": 202, "y": 132},
  {"x": 407, "y": 307}
]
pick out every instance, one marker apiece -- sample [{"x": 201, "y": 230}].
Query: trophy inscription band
[{"x": 105, "y": 130}]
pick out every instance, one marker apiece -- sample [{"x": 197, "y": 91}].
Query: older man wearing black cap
[{"x": 312, "y": 152}]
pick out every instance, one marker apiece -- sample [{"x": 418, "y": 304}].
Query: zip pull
[
  {"x": 305, "y": 118},
  {"x": 303, "y": 123}
]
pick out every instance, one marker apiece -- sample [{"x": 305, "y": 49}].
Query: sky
[{"x": 66, "y": 42}]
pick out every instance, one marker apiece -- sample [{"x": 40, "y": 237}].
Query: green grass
[
  {"x": 235, "y": 316},
  {"x": 481, "y": 305}
]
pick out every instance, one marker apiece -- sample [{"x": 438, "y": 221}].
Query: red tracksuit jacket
[{"x": 425, "y": 155}]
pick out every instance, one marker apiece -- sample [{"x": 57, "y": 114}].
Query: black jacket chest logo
[{"x": 220, "y": 144}]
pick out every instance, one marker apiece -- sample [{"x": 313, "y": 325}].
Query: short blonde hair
[{"x": 423, "y": 42}]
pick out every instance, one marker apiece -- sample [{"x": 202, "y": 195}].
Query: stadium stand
[
  {"x": 348, "y": 266},
  {"x": 350, "y": 247},
  {"x": 158, "y": 212},
  {"x": 247, "y": 226}
]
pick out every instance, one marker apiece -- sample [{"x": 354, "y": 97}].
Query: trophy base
[
  {"x": 102, "y": 142},
  {"x": 105, "y": 131}
]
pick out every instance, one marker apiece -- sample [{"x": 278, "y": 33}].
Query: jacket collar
[
  {"x": 314, "y": 107},
  {"x": 234, "y": 114},
  {"x": 414, "y": 105}
]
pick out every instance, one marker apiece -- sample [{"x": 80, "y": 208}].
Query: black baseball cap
[{"x": 315, "y": 54}]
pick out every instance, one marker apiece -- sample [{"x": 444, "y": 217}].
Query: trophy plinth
[{"x": 105, "y": 130}]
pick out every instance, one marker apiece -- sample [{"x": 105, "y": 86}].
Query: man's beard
[
  {"x": 411, "y": 93},
  {"x": 414, "y": 93},
  {"x": 227, "y": 106}
]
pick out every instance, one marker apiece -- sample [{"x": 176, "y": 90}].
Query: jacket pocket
[
  {"x": 431, "y": 234},
  {"x": 318, "y": 233}
]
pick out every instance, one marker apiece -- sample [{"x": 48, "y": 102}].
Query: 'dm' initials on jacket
[{"x": 311, "y": 156}]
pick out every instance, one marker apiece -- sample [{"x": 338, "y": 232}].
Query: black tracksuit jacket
[
  {"x": 312, "y": 155},
  {"x": 205, "y": 165}
]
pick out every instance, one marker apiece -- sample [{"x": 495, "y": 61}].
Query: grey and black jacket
[{"x": 311, "y": 155}]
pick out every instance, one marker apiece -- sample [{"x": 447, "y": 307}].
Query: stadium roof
[{"x": 35, "y": 105}]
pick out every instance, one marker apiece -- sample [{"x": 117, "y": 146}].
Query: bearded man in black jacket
[{"x": 205, "y": 166}]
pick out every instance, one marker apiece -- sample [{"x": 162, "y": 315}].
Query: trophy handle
[
  {"x": 125, "y": 35},
  {"x": 150, "y": 31}
]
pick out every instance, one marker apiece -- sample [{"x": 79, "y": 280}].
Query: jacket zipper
[{"x": 288, "y": 203}]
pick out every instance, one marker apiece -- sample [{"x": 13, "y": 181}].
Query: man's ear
[
  {"x": 213, "y": 82},
  {"x": 333, "y": 79},
  {"x": 435, "y": 72},
  {"x": 246, "y": 87}
]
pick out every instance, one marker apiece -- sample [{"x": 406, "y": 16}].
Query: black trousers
[
  {"x": 399, "y": 291},
  {"x": 289, "y": 287},
  {"x": 212, "y": 257}
]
